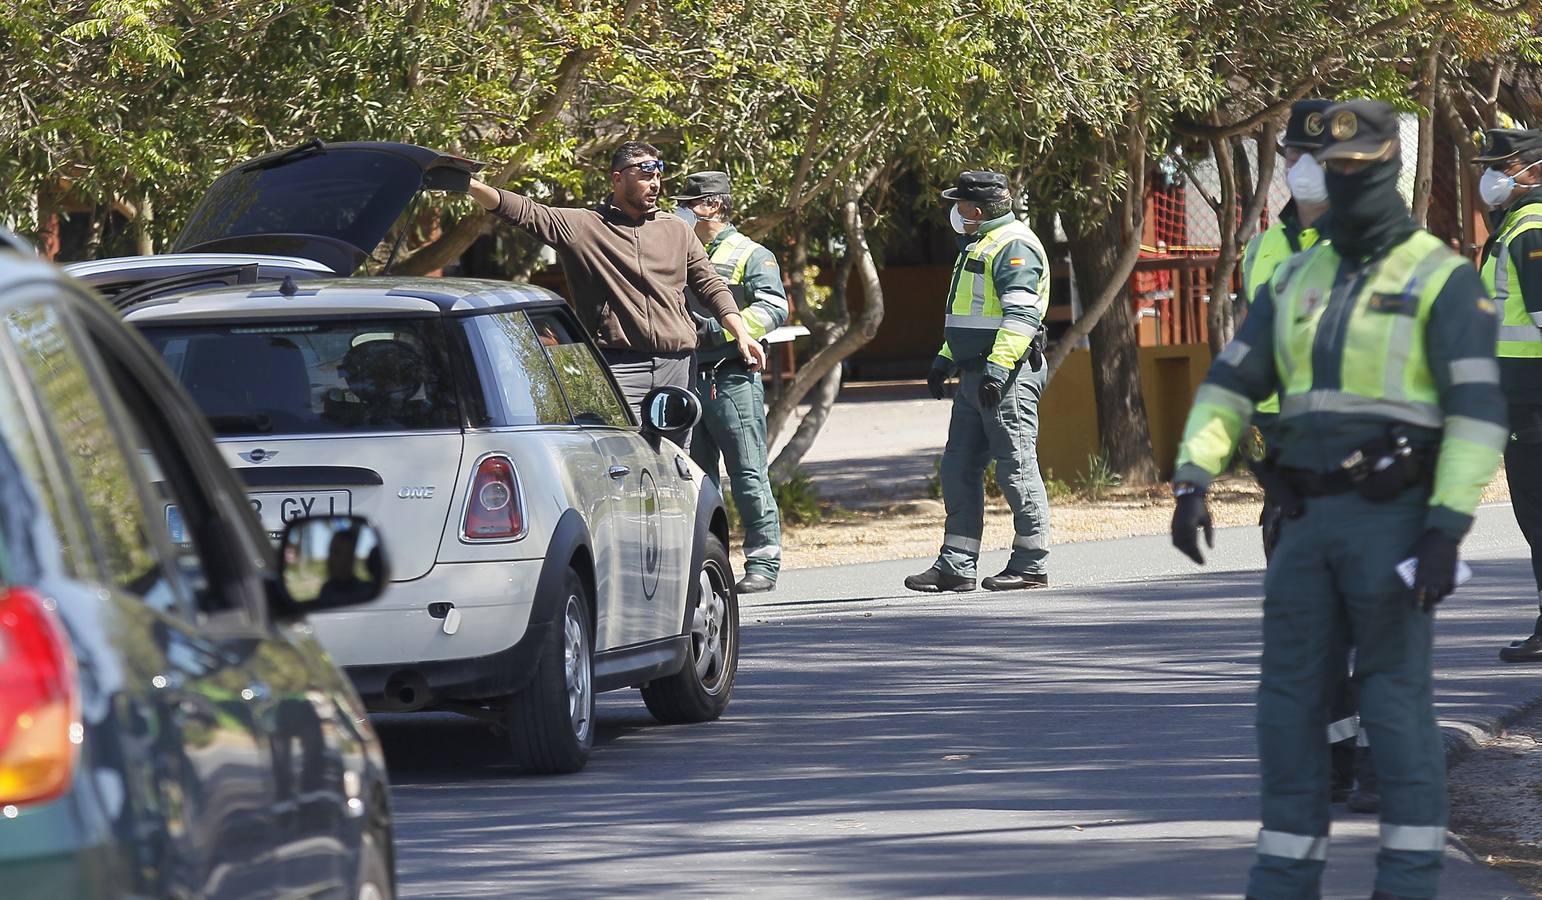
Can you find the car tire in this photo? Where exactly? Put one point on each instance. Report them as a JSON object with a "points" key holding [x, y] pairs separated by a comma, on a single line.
{"points": [[700, 691], [375, 882], [551, 721]]}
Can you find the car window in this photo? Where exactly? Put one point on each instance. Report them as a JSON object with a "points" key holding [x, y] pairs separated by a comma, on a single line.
{"points": [[28, 484], [102, 474], [583, 377], [274, 378], [517, 380]]}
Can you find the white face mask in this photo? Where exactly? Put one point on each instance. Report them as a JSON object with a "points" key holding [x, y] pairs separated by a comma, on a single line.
{"points": [[1306, 182], [688, 214], [1495, 187], [957, 220]]}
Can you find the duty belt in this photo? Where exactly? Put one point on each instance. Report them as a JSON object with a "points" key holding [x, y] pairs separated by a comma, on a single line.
{"points": [[1307, 483]]}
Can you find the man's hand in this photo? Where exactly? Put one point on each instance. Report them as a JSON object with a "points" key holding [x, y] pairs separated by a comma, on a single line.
{"points": [[753, 354], [1435, 571], [485, 195], [993, 385], [1189, 515], [937, 378]]}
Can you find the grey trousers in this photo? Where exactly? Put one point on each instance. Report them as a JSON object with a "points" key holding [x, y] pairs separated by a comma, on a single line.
{"points": [[639, 373], [1009, 435]]}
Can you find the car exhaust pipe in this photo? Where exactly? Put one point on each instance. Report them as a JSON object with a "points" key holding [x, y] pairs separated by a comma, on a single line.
{"points": [[405, 692]]}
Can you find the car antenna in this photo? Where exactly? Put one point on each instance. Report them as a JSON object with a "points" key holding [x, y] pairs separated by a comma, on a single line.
{"points": [[288, 288]]}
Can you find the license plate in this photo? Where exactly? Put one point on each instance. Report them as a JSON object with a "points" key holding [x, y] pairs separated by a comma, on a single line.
{"points": [[277, 508]]}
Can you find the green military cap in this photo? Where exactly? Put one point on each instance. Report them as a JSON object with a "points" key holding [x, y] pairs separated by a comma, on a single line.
{"points": [[1306, 127], [1359, 129], [704, 184], [978, 187], [1500, 144]]}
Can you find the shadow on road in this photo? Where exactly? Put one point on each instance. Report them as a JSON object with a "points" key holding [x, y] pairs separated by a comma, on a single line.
{"points": [[1095, 743]]}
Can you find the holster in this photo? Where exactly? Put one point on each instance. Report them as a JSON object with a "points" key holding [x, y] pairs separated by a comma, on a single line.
{"points": [[1383, 468], [1278, 490], [1035, 355]]}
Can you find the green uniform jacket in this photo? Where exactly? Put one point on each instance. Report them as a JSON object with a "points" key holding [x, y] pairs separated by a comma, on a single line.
{"points": [[756, 282], [1352, 346], [1019, 275], [1519, 376], [1263, 256]]}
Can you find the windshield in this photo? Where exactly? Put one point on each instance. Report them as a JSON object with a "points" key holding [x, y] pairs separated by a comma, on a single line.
{"points": [[357, 375]]}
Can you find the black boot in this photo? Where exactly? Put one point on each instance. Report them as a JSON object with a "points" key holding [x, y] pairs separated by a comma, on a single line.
{"points": [[936, 581], [1366, 797], [1529, 650], [1009, 580], [754, 583]]}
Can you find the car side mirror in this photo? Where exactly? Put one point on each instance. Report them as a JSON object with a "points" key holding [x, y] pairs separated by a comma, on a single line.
{"points": [[327, 562], [670, 411]]}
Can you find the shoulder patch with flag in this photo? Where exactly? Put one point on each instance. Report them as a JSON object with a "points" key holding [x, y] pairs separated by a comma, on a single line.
{"points": [[1015, 261]]}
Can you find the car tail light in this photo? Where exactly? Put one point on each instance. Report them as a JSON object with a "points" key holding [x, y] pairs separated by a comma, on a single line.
{"points": [[493, 508], [39, 719]]}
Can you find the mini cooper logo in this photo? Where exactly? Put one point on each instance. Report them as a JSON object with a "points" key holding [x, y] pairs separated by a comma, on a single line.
{"points": [[258, 456], [416, 493]]}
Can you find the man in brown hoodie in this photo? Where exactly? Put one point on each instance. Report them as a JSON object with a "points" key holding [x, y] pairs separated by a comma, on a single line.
{"points": [[628, 265]]}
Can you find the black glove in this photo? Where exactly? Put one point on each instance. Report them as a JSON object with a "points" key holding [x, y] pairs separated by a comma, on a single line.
{"points": [[993, 384], [1435, 571], [1189, 515], [936, 379]]}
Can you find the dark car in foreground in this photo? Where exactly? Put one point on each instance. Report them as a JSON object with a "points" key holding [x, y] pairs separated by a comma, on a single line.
{"points": [[169, 726]]}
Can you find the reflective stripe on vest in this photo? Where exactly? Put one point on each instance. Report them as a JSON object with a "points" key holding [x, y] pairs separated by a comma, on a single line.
{"points": [[1377, 334], [1519, 336], [975, 295]]}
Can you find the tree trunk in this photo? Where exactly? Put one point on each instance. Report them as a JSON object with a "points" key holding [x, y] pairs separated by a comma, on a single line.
{"points": [[1257, 194], [1123, 428], [144, 236], [786, 464], [1221, 324], [1424, 169], [813, 371], [1114, 279], [834, 321], [449, 246]]}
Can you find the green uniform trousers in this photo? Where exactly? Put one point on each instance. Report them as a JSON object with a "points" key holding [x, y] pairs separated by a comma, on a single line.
{"points": [[733, 427], [1332, 583], [1009, 435]]}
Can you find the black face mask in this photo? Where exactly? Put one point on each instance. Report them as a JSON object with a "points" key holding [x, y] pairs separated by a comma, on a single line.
{"points": [[1368, 215]]}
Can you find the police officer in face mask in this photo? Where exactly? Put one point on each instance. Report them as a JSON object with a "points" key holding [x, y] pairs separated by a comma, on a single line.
{"points": [[1512, 271], [1380, 342], [993, 338]]}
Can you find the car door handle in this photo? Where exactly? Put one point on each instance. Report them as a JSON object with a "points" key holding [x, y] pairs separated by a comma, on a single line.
{"points": [[619, 471]]}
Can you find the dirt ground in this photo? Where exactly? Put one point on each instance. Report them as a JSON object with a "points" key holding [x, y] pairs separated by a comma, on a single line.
{"points": [[1496, 800], [913, 528]]}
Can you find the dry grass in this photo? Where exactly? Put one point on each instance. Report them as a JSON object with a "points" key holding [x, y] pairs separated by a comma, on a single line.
{"points": [[914, 528]]}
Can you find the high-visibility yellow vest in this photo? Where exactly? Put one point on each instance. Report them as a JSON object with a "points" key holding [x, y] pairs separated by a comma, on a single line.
{"points": [[1519, 334], [975, 302], [1262, 257], [729, 258], [1378, 336]]}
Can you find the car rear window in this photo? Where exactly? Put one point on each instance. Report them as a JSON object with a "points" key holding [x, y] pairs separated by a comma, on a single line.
{"points": [[315, 377]]}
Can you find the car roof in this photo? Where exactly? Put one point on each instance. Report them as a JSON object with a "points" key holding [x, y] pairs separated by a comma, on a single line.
{"points": [[142, 268], [344, 296]]}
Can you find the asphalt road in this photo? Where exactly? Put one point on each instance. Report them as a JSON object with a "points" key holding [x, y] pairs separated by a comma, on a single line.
{"points": [[1093, 740]]}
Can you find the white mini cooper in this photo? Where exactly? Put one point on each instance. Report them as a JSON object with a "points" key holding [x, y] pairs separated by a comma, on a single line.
{"points": [[544, 546]]}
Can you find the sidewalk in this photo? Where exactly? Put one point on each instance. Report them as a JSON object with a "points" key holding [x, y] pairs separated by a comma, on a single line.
{"points": [[881, 443]]}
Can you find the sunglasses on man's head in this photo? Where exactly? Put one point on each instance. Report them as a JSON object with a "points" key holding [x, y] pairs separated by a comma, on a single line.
{"points": [[647, 166]]}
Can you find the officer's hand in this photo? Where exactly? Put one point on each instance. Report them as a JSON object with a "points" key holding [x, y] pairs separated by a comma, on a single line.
{"points": [[1189, 515], [1435, 570], [936, 379], [992, 385], [753, 354]]}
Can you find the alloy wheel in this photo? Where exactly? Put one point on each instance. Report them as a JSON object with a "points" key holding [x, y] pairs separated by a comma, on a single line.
{"points": [[575, 660]]}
